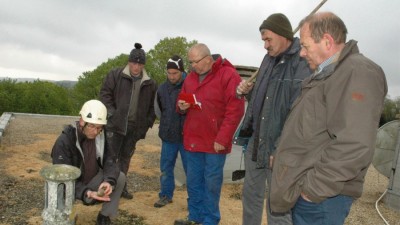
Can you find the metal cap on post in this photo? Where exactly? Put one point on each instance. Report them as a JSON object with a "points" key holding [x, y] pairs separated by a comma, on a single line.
{"points": [[59, 194]]}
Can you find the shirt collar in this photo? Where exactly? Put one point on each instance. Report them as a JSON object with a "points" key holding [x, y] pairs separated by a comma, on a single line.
{"points": [[327, 62]]}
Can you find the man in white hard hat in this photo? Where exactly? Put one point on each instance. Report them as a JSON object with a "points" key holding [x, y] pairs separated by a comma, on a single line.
{"points": [[82, 144]]}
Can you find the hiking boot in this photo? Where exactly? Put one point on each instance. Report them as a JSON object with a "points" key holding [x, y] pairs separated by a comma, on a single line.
{"points": [[103, 220], [185, 222], [125, 194], [164, 200]]}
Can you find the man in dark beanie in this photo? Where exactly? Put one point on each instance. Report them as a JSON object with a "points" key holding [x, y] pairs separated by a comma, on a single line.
{"points": [[279, 24], [137, 55], [128, 93], [171, 126], [277, 86]]}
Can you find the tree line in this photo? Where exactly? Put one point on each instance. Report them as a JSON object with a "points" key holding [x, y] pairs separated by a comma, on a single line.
{"points": [[44, 97]]}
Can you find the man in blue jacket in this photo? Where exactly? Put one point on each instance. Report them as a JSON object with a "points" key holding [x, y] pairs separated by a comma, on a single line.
{"points": [[82, 145], [277, 86], [171, 126]]}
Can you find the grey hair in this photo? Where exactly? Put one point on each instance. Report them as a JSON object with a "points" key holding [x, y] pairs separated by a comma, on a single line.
{"points": [[201, 48]]}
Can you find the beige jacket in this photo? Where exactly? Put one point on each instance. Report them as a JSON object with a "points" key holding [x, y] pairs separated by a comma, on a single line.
{"points": [[328, 140]]}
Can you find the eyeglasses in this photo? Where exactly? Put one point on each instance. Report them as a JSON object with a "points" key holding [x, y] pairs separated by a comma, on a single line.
{"points": [[176, 62], [94, 127], [192, 62]]}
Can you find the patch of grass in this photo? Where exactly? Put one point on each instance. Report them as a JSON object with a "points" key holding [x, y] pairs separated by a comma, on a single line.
{"points": [[125, 217], [236, 195], [236, 192], [45, 155]]}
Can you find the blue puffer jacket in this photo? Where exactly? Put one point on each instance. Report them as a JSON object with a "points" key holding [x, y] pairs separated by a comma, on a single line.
{"points": [[284, 84], [171, 122]]}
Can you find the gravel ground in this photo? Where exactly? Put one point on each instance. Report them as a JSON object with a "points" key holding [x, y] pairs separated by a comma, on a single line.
{"points": [[19, 197], [22, 154]]}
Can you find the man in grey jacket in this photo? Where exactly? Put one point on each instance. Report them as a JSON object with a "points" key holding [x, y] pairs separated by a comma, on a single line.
{"points": [[328, 140], [276, 87]]}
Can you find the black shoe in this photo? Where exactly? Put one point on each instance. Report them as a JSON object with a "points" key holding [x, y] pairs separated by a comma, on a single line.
{"points": [[163, 201], [125, 194], [103, 220], [185, 222]]}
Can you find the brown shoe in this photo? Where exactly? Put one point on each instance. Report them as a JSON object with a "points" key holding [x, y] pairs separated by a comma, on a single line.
{"points": [[163, 201], [185, 222], [125, 194]]}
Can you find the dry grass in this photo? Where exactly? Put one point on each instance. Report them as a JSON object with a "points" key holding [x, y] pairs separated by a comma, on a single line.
{"points": [[25, 149]]}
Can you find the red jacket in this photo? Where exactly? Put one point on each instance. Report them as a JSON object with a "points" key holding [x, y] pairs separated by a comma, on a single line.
{"points": [[221, 111]]}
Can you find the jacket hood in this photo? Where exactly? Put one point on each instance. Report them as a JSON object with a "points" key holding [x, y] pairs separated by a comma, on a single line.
{"points": [[294, 48], [126, 73], [71, 132], [349, 49], [220, 62]]}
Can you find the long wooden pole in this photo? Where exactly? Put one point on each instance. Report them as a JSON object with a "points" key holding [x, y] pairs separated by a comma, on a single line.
{"points": [[312, 12]]}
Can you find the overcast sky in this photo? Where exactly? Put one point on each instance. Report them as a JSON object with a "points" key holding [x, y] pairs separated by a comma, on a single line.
{"points": [[60, 39]]}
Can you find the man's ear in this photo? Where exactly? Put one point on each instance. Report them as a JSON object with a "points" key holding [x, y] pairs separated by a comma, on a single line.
{"points": [[81, 122], [328, 40]]}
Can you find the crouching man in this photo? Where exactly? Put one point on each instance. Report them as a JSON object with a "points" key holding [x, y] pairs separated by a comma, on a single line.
{"points": [[82, 145]]}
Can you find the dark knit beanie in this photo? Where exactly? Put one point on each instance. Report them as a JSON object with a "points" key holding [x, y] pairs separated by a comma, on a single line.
{"points": [[137, 54], [175, 62], [279, 24]]}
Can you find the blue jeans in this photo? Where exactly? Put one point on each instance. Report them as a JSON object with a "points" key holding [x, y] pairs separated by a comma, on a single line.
{"points": [[332, 211], [204, 182], [169, 152]]}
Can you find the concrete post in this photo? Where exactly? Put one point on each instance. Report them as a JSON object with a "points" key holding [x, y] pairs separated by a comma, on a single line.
{"points": [[59, 194]]}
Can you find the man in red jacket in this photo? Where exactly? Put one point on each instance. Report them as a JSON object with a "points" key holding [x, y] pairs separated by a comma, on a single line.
{"points": [[208, 130]]}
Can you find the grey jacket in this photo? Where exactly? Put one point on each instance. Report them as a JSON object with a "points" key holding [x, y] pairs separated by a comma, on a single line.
{"points": [[282, 89], [328, 140]]}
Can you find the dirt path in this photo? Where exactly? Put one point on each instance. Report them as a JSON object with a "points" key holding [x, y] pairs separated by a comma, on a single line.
{"points": [[25, 149]]}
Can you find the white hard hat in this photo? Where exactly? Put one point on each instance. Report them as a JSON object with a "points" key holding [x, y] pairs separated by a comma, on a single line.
{"points": [[94, 111]]}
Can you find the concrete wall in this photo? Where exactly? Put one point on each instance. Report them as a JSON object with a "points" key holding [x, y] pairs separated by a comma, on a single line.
{"points": [[4, 119]]}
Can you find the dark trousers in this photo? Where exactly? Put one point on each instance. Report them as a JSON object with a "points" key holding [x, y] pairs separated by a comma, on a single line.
{"points": [[109, 208], [123, 146]]}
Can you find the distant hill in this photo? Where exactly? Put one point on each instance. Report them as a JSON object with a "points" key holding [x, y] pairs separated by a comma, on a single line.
{"points": [[63, 83]]}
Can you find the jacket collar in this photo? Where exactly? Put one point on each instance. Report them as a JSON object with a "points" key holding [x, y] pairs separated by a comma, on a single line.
{"points": [[349, 49], [294, 48], [127, 74]]}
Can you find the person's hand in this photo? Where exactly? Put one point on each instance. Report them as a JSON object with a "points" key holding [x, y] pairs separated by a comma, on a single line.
{"points": [[183, 105], [218, 147], [305, 197], [104, 188], [271, 161], [244, 87]]}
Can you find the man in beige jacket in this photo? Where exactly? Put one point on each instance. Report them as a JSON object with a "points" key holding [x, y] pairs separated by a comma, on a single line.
{"points": [[328, 140]]}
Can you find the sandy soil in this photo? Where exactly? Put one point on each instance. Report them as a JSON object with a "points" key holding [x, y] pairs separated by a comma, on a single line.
{"points": [[25, 149]]}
